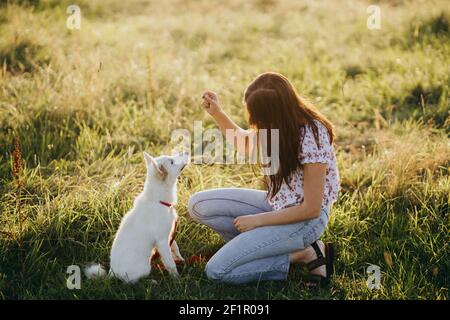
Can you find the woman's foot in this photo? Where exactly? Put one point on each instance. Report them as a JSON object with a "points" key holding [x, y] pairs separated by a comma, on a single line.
{"points": [[307, 255]]}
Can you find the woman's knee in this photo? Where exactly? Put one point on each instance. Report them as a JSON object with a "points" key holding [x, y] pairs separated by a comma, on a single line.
{"points": [[195, 211], [199, 207], [214, 270]]}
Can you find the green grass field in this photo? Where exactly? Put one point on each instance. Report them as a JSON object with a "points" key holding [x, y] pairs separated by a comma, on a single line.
{"points": [[84, 104]]}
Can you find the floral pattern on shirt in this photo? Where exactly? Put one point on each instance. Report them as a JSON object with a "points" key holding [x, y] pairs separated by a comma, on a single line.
{"points": [[311, 153]]}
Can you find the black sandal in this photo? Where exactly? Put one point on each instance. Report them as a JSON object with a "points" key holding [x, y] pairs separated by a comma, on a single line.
{"points": [[328, 261]]}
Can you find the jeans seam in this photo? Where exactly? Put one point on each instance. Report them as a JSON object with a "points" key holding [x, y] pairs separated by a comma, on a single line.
{"points": [[315, 230], [197, 214], [298, 231], [313, 227], [308, 235], [227, 269], [244, 274]]}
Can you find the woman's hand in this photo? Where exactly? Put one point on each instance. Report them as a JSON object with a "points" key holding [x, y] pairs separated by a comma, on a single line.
{"points": [[211, 103], [246, 223]]}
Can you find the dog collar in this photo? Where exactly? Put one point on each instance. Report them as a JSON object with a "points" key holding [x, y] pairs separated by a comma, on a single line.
{"points": [[169, 205]]}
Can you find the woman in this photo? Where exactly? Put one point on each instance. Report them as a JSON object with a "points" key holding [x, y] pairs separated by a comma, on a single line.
{"points": [[266, 232]]}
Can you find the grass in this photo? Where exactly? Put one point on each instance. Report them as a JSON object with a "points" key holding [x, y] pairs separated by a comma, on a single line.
{"points": [[83, 105]]}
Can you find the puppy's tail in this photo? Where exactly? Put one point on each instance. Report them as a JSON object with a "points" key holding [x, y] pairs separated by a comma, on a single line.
{"points": [[94, 271]]}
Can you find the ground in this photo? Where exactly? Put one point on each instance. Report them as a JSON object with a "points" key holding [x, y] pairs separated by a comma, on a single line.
{"points": [[79, 107]]}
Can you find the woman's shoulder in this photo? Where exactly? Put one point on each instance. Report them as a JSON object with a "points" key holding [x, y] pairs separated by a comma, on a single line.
{"points": [[322, 132], [320, 127], [313, 151]]}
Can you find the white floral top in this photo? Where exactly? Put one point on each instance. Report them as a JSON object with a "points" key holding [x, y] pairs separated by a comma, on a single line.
{"points": [[311, 153]]}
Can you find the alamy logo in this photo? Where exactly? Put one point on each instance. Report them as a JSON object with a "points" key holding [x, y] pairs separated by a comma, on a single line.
{"points": [[74, 20], [374, 19], [74, 279], [374, 278], [209, 146]]}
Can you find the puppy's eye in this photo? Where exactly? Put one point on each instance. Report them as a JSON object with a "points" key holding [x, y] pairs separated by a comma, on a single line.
{"points": [[171, 162]]}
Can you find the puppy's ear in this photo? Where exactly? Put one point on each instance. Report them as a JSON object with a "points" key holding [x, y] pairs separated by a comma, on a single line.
{"points": [[160, 171], [149, 160]]}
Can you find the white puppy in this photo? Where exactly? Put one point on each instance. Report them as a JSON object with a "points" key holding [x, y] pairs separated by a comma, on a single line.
{"points": [[148, 225]]}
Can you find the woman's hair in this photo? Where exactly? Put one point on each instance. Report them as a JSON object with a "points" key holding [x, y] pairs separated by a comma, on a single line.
{"points": [[273, 103]]}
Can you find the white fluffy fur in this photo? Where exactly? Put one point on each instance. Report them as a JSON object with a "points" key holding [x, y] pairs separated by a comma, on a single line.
{"points": [[94, 270], [148, 225]]}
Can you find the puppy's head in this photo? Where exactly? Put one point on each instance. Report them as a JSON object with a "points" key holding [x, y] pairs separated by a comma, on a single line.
{"points": [[166, 168]]}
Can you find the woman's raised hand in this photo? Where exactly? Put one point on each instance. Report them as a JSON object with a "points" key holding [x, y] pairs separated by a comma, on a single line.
{"points": [[211, 103]]}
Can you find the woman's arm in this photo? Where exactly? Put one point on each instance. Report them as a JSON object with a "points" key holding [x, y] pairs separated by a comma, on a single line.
{"points": [[212, 106], [314, 182]]}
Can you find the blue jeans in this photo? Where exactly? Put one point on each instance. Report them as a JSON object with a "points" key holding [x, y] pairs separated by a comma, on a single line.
{"points": [[258, 254]]}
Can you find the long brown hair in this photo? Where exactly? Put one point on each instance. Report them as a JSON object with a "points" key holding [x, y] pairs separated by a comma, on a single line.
{"points": [[273, 103]]}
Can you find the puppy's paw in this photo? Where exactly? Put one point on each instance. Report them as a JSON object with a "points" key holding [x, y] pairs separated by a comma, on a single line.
{"points": [[179, 260], [176, 253]]}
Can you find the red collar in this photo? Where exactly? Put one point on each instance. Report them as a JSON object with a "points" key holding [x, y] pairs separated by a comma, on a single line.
{"points": [[169, 205]]}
